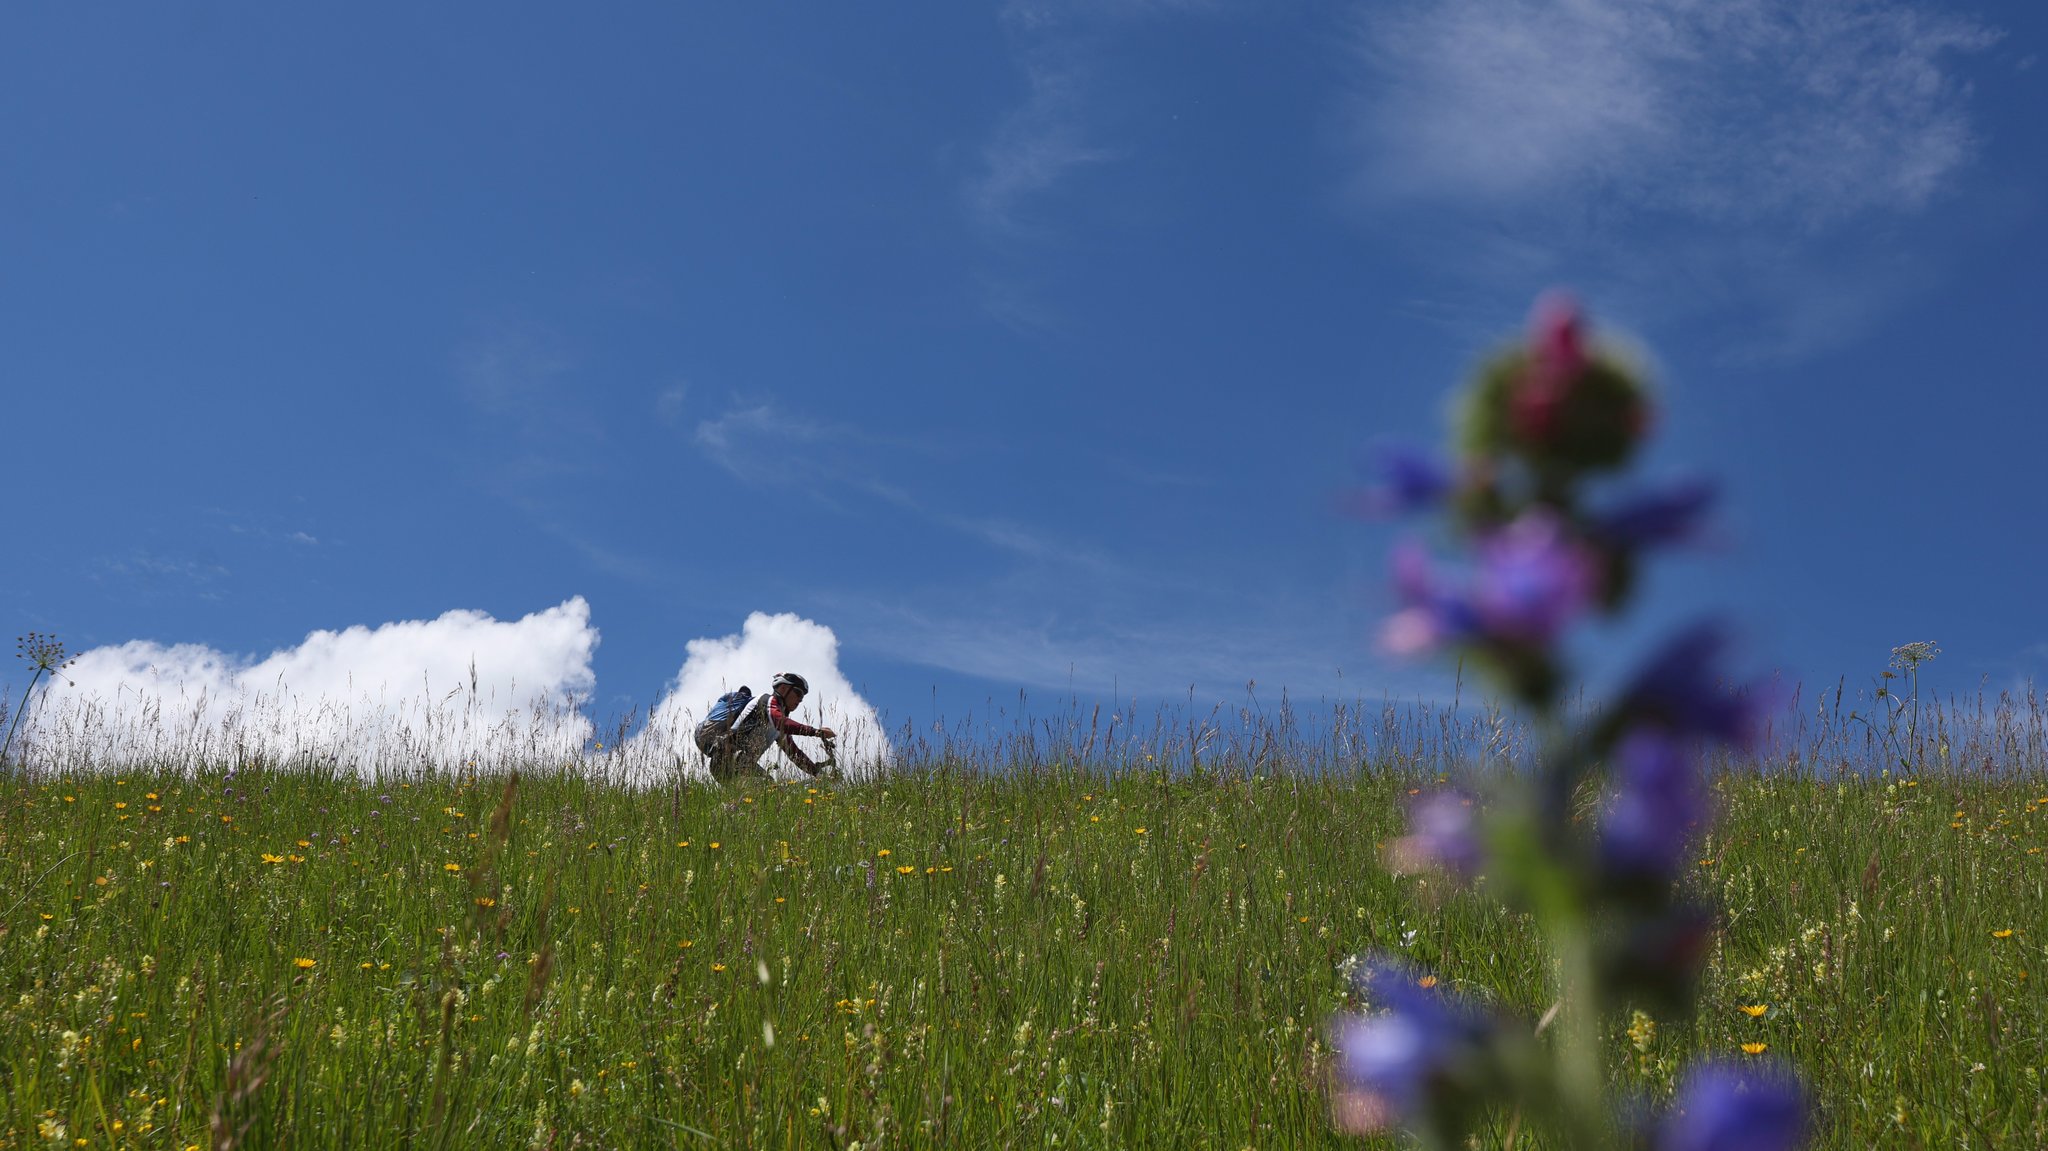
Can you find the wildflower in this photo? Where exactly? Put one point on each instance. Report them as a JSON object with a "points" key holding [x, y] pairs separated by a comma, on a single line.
{"points": [[1755, 1048], [1138, 830], [303, 963], [1642, 1030], [882, 853], [451, 867], [1659, 800], [686, 944], [2004, 933], [1405, 479], [486, 901], [1754, 1011], [1556, 360], [1665, 516], [1426, 1047], [1681, 689], [714, 845], [1441, 833], [718, 967], [1531, 579], [269, 858], [906, 869], [1721, 1107]]}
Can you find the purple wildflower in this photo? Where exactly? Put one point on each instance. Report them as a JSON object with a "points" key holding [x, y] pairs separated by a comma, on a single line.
{"points": [[1441, 833], [1406, 480], [1659, 801], [1531, 580], [1424, 1042], [1435, 607], [1723, 1107], [1648, 519], [1683, 689]]}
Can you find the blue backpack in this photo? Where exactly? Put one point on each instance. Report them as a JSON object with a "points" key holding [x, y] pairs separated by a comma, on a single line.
{"points": [[728, 708]]}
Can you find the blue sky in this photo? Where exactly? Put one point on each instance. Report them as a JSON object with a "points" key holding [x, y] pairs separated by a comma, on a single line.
{"points": [[1022, 346]]}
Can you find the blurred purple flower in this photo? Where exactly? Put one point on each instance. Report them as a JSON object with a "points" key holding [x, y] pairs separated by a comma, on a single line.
{"points": [[1530, 581], [1659, 801], [1724, 1107], [1442, 832], [1665, 516], [1533, 580], [1423, 1041], [1404, 480], [1684, 689], [1436, 609]]}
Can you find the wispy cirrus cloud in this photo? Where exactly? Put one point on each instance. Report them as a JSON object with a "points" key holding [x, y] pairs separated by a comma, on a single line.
{"points": [[1811, 111], [1062, 49], [1038, 144], [769, 447], [1743, 148]]}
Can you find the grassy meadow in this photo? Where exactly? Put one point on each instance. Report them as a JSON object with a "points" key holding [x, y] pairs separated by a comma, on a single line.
{"points": [[1050, 957]]}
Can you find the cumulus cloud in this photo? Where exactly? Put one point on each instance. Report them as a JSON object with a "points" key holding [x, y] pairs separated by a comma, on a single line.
{"points": [[766, 644], [460, 688], [442, 693]]}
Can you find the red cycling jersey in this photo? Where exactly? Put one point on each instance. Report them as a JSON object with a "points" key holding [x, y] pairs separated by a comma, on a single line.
{"points": [[783, 723]]}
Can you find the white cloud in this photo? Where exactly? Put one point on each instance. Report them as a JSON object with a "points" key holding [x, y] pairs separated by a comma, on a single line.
{"points": [[1735, 110], [1753, 161], [1037, 145], [443, 691], [435, 693], [766, 645]]}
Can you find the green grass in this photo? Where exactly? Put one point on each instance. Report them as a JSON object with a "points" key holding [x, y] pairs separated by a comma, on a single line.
{"points": [[953, 958]]}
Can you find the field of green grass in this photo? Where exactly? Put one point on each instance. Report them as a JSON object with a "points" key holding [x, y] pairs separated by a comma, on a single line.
{"points": [[943, 958]]}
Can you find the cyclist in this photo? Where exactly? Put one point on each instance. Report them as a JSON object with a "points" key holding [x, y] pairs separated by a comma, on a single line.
{"points": [[766, 720]]}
